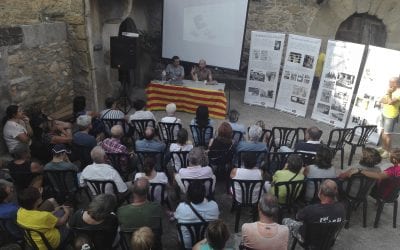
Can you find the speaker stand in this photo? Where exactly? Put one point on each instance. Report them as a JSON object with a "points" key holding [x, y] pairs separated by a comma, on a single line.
{"points": [[124, 102]]}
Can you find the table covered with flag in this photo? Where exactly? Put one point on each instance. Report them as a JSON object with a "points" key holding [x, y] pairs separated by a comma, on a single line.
{"points": [[187, 97]]}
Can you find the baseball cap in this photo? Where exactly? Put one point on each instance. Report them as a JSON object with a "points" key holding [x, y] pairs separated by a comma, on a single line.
{"points": [[60, 148]]}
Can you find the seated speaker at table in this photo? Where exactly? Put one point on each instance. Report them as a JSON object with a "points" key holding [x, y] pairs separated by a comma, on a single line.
{"points": [[174, 70], [201, 73]]}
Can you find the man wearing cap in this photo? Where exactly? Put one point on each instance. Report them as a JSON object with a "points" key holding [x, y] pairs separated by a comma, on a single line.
{"points": [[60, 159]]}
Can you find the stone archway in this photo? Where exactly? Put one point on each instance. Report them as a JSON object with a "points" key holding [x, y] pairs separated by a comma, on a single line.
{"points": [[333, 13]]}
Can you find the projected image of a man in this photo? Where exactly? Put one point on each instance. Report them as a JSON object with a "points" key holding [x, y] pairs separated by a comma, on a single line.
{"points": [[201, 73]]}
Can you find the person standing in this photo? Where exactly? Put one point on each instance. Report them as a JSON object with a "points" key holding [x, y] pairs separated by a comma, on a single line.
{"points": [[390, 112], [174, 70]]}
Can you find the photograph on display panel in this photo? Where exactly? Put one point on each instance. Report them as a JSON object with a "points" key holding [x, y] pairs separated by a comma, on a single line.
{"points": [[345, 80], [323, 108], [257, 75], [308, 61]]}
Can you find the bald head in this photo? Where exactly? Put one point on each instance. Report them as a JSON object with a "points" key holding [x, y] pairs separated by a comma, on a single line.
{"points": [[328, 188], [117, 131], [149, 133], [141, 187]]}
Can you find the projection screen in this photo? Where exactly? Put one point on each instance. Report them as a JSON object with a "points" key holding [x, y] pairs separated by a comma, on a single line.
{"points": [[204, 29]]}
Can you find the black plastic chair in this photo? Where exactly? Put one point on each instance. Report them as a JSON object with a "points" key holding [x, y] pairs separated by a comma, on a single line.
{"points": [[392, 198], [247, 197], [265, 136], [316, 182], [354, 197], [237, 136], [139, 127], [221, 163], [63, 185], [260, 155], [28, 232], [294, 190], [308, 158], [319, 236], [201, 136], [336, 141], [120, 161], [109, 123], [168, 131], [300, 134], [361, 141], [283, 136], [276, 161], [208, 183], [151, 196], [10, 232], [181, 157], [97, 187], [196, 231], [159, 156]]}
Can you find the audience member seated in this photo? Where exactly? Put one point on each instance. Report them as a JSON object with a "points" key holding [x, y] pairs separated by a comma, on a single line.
{"points": [[195, 170], [153, 176], [311, 145], [322, 168], [111, 111], [114, 145], [201, 73], [141, 114], [385, 185], [17, 129], [148, 143], [253, 144], [56, 132], [266, 233], [182, 144], [217, 234], [143, 239], [140, 212], [249, 172], [52, 225], [292, 172], [222, 142], [369, 161], [99, 170], [60, 159], [99, 216], [79, 107], [174, 70], [202, 120], [171, 118], [233, 121], [196, 201], [82, 137], [24, 171], [9, 208], [327, 211]]}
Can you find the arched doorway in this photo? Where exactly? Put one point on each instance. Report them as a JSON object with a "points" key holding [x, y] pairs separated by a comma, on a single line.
{"points": [[362, 28]]}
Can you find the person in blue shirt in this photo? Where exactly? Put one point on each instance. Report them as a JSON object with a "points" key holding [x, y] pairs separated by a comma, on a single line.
{"points": [[8, 209]]}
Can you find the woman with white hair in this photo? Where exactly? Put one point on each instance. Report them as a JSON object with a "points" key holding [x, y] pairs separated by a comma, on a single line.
{"points": [[171, 118], [253, 144]]}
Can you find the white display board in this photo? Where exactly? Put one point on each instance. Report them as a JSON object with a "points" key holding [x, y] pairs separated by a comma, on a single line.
{"points": [[381, 65], [298, 73], [338, 79], [263, 70]]}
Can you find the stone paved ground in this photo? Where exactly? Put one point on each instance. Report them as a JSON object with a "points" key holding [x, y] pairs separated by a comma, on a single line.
{"points": [[356, 237]]}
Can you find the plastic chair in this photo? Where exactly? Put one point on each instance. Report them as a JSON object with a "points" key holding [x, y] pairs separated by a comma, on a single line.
{"points": [[277, 161], [109, 123], [28, 232], [209, 187], [294, 190], [63, 184], [196, 231], [392, 198], [180, 157], [336, 141], [201, 136], [120, 161], [365, 132], [101, 187], [247, 197], [321, 236], [265, 136], [237, 136], [300, 134], [354, 197], [10, 232], [159, 156], [316, 182], [101, 239], [151, 196], [139, 126], [168, 131], [283, 136], [260, 155]]}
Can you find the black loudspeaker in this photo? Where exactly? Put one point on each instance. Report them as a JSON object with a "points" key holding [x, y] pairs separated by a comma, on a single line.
{"points": [[123, 52]]}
